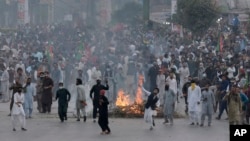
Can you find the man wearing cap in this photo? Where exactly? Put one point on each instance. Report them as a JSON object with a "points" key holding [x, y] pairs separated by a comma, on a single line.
{"points": [[96, 90]]}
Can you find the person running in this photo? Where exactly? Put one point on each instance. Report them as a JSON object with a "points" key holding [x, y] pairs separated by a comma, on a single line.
{"points": [[63, 97]]}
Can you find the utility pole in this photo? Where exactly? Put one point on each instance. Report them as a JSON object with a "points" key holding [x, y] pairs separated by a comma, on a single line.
{"points": [[91, 12], [146, 10]]}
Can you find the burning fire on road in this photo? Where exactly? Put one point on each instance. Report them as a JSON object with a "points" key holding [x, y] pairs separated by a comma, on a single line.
{"points": [[126, 106]]}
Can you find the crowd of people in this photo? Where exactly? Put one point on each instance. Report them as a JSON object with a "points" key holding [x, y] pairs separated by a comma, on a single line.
{"points": [[45, 61]]}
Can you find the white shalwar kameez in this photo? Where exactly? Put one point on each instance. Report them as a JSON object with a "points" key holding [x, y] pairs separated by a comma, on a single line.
{"points": [[173, 86], [5, 86], [18, 114], [194, 97]]}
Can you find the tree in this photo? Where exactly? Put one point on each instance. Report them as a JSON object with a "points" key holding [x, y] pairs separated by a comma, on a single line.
{"points": [[196, 15], [130, 13]]}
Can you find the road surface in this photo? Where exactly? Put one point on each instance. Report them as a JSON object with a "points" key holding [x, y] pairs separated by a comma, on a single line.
{"points": [[48, 127]]}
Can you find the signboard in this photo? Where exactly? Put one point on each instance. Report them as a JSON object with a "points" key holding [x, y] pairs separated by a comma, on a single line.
{"points": [[68, 17], [23, 12], [173, 7]]}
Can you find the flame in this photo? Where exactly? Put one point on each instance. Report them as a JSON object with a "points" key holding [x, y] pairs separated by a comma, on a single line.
{"points": [[138, 98], [124, 102], [122, 99]]}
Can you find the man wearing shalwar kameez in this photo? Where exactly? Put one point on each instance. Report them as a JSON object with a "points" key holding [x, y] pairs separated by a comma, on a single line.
{"points": [[161, 79], [5, 85], [29, 93], [208, 103], [171, 80], [150, 106], [47, 93], [18, 114], [194, 98], [234, 105], [81, 102], [63, 97], [169, 99]]}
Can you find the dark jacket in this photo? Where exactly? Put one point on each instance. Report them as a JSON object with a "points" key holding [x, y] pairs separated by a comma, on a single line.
{"points": [[96, 90], [103, 106], [151, 102], [47, 93], [63, 96], [185, 88]]}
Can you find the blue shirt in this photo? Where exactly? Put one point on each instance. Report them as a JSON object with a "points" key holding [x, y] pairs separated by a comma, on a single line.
{"points": [[244, 100], [223, 85]]}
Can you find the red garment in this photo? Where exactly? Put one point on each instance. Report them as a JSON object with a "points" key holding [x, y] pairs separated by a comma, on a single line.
{"points": [[102, 92]]}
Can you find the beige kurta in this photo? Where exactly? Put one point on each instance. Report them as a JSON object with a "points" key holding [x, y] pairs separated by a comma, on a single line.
{"points": [[80, 97], [234, 107]]}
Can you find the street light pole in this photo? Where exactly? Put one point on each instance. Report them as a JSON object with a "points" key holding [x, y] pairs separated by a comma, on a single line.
{"points": [[146, 10]]}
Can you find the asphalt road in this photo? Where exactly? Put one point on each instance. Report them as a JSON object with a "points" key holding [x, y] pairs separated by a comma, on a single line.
{"points": [[48, 127]]}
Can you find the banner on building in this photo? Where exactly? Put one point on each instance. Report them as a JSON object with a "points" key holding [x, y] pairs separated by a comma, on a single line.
{"points": [[173, 7], [23, 11]]}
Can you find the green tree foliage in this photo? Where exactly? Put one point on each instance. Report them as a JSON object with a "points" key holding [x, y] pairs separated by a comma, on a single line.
{"points": [[196, 15], [130, 13]]}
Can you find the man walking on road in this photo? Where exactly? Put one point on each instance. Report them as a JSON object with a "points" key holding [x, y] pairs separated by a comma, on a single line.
{"points": [[80, 100], [63, 97], [194, 98], [208, 103]]}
